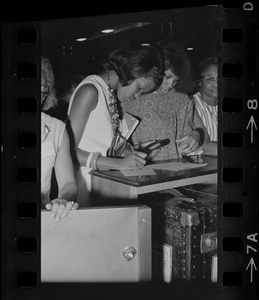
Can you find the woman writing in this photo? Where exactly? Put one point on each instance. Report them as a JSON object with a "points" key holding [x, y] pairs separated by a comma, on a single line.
{"points": [[93, 111]]}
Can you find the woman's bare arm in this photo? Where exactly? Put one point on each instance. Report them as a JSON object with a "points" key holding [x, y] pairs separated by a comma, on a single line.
{"points": [[64, 171], [85, 101]]}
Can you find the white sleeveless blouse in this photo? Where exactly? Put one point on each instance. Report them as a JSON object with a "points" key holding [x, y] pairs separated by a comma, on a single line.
{"points": [[97, 134]]}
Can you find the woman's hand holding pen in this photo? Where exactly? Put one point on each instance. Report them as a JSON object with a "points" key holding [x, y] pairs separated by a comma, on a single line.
{"points": [[133, 160], [188, 143], [141, 152]]}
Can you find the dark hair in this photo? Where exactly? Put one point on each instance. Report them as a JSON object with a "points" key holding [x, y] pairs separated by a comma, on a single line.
{"points": [[207, 61], [177, 60], [133, 63]]}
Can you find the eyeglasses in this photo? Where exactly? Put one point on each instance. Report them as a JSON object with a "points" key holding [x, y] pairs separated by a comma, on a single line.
{"points": [[44, 94], [210, 79]]}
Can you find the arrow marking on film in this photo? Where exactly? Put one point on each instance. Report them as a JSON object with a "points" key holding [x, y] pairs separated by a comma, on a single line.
{"points": [[252, 123], [252, 264]]}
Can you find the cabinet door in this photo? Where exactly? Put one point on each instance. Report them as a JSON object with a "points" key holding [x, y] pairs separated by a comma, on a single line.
{"points": [[104, 244]]}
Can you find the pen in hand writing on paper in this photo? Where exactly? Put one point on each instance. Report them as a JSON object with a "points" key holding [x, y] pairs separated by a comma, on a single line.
{"points": [[149, 148], [131, 148], [176, 143], [194, 153]]}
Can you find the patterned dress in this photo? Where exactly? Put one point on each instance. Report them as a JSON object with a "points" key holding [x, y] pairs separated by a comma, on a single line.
{"points": [[161, 115]]}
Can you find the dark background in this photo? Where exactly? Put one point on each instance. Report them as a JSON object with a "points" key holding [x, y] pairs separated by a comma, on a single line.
{"points": [[194, 27]]}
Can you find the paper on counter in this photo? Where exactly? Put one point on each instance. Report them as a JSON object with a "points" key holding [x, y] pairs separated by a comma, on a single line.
{"points": [[149, 169], [174, 166], [140, 172]]}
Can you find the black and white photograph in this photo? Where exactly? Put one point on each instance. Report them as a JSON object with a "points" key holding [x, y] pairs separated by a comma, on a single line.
{"points": [[129, 142], [129, 151], [129, 132]]}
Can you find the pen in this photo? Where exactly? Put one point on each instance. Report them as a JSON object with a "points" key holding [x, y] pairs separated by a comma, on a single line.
{"points": [[192, 125], [131, 148], [176, 145]]}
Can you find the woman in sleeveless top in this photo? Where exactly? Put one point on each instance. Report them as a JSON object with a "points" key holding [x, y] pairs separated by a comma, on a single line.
{"points": [[94, 112], [55, 152]]}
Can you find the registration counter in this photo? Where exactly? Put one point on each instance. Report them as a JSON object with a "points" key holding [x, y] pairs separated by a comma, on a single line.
{"points": [[156, 177]]}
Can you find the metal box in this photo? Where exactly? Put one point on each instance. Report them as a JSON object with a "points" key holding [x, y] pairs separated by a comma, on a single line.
{"points": [[104, 244]]}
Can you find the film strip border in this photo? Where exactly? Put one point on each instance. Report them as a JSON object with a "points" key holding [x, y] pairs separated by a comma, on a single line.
{"points": [[238, 178], [20, 120]]}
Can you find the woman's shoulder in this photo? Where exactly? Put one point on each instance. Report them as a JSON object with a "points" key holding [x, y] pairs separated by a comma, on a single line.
{"points": [[91, 84], [93, 79], [180, 97], [136, 105], [196, 96], [88, 87]]}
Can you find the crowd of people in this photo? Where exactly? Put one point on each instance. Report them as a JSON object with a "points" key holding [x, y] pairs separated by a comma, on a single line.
{"points": [[152, 83]]}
